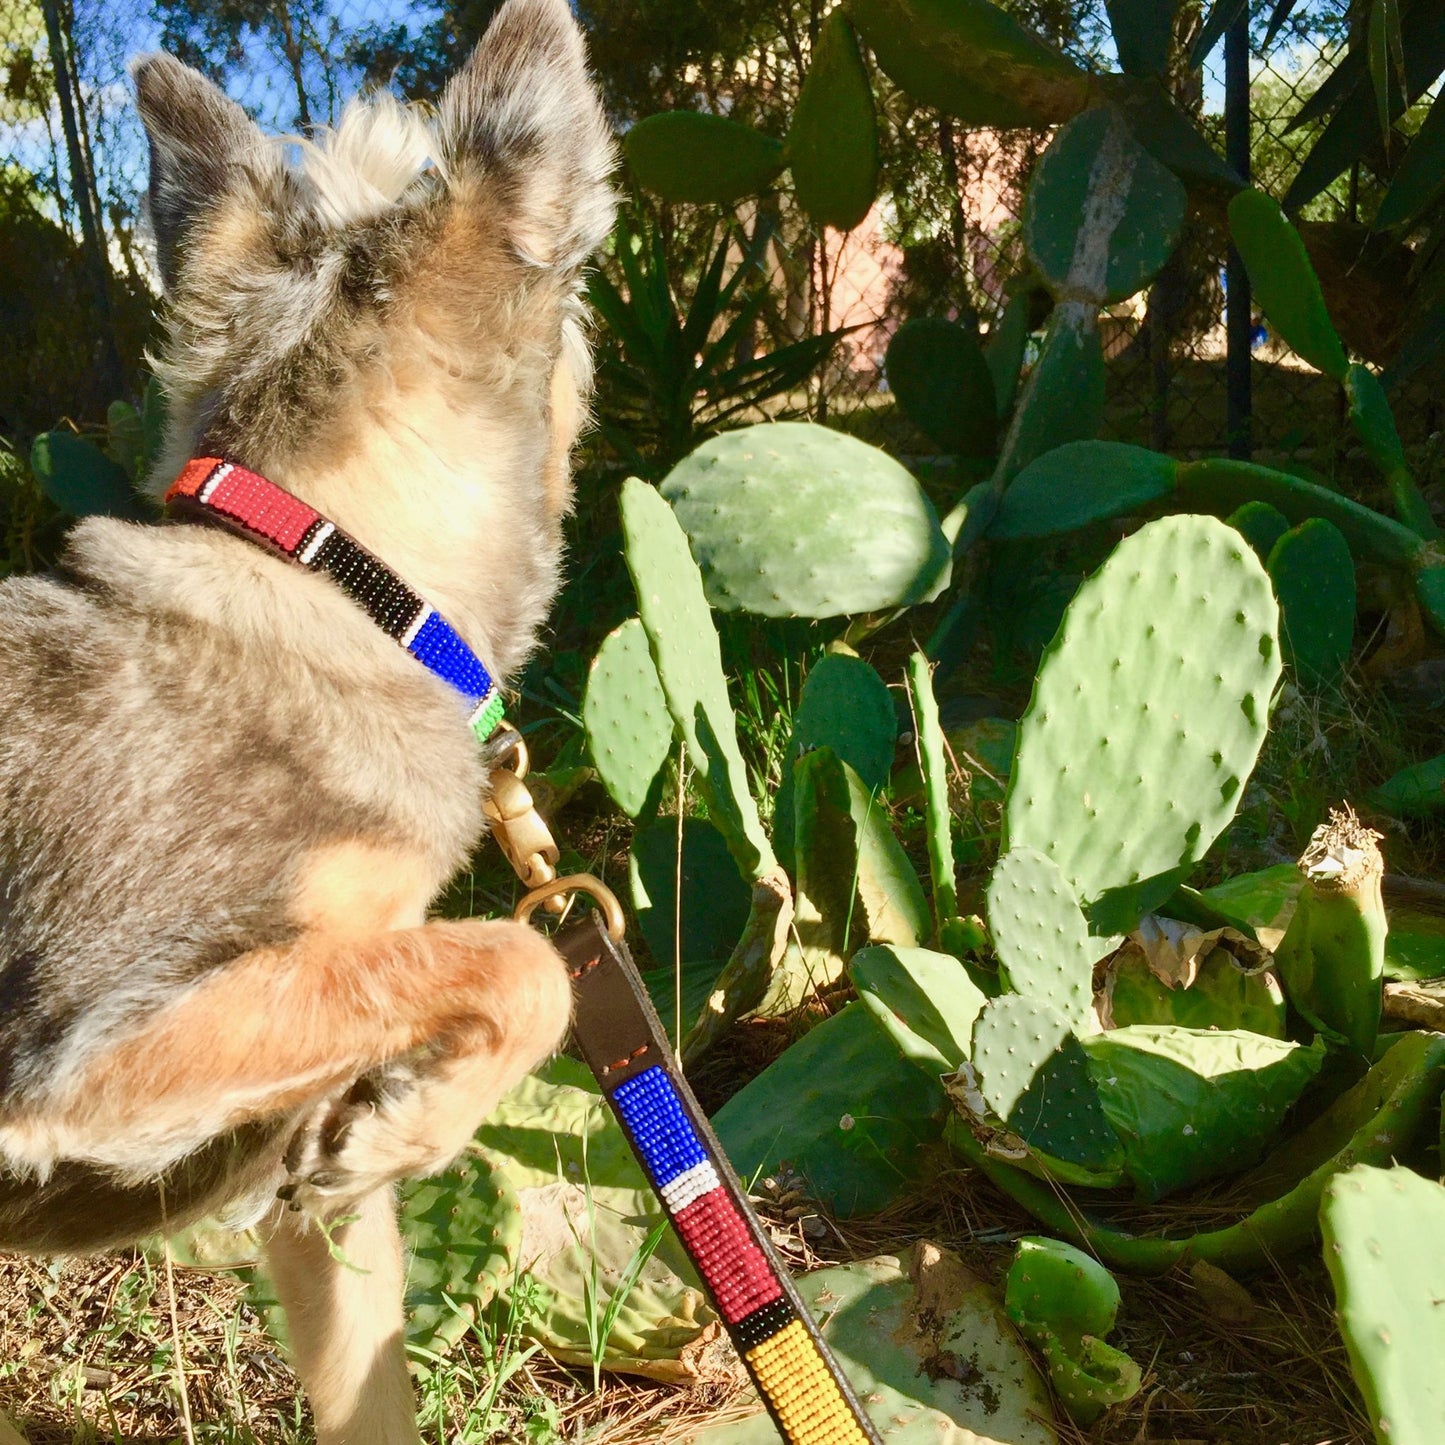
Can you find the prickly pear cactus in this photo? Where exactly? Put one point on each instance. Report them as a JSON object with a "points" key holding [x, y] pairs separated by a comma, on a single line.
{"points": [[1042, 937], [931, 993], [1261, 525], [1063, 398], [1413, 792], [80, 479], [1148, 712], [1332, 957], [789, 519], [715, 900], [1314, 580], [937, 371], [1284, 281], [845, 706], [1064, 1303], [1034, 1076], [688, 659], [1374, 424], [1102, 215], [1381, 1231], [833, 140], [629, 729], [1079, 483], [843, 1107], [682, 155]]}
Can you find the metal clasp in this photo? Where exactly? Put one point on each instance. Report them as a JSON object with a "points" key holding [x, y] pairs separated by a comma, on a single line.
{"points": [[520, 830], [557, 893]]}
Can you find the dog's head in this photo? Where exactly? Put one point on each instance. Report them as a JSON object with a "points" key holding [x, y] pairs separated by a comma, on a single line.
{"points": [[395, 323]]}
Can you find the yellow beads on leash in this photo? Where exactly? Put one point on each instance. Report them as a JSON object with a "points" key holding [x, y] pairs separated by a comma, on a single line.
{"points": [[802, 1390]]}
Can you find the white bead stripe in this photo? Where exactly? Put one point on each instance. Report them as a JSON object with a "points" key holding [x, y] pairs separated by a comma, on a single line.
{"points": [[218, 476], [678, 1193], [422, 617], [309, 551]]}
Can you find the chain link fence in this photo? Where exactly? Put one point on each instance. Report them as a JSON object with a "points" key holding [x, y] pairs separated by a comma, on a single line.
{"points": [[947, 239]]}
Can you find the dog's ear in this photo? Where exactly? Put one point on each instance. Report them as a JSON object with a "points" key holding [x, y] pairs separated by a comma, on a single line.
{"points": [[203, 147], [524, 116]]}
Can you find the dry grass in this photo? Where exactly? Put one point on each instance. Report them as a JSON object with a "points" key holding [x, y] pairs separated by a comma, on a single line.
{"points": [[87, 1353]]}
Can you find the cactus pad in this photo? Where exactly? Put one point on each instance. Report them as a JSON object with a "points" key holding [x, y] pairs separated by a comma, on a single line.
{"points": [[629, 729], [1260, 524], [1063, 398], [845, 706], [930, 992], [833, 140], [1102, 214], [1222, 995], [788, 519], [1079, 483], [688, 659], [80, 479], [1381, 1231], [1149, 708], [1314, 580], [681, 155], [1034, 1075], [937, 371], [715, 900], [1413, 792], [1285, 286], [843, 1107], [1042, 937]]}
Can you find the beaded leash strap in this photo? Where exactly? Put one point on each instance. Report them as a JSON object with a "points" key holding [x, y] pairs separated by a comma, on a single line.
{"points": [[615, 1025]]}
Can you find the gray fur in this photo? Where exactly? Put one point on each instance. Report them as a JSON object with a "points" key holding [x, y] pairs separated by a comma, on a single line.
{"points": [[185, 719]]}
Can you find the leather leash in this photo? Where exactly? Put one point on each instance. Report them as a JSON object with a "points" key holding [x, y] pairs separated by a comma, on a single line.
{"points": [[623, 1042]]}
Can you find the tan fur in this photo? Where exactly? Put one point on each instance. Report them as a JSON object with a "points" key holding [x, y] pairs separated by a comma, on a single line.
{"points": [[360, 887]]}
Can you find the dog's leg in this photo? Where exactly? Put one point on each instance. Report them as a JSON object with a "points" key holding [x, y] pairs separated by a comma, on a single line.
{"points": [[282, 1030], [343, 1311]]}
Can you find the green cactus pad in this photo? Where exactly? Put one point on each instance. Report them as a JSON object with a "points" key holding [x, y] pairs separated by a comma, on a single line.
{"points": [[789, 519], [703, 159], [715, 899], [688, 659], [1284, 282], [80, 479], [1148, 711], [580, 1197], [1042, 937], [1260, 524], [1381, 1228], [970, 60], [629, 729], [929, 1351], [1063, 398], [833, 140], [463, 1231], [125, 437], [1413, 792], [844, 1108], [1080, 483], [938, 373], [1222, 996], [1063, 1302], [1191, 1104], [845, 706], [1033, 1074], [938, 816], [1314, 580], [931, 993], [1371, 1123], [1102, 214], [1008, 340], [1374, 424]]}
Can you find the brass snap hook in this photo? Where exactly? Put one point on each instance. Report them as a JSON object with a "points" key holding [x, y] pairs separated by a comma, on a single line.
{"points": [[557, 890]]}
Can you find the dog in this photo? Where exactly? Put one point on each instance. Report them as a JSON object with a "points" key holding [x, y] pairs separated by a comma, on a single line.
{"points": [[228, 796]]}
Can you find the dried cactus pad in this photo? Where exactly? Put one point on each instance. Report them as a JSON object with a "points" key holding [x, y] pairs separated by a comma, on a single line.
{"points": [[1149, 708], [788, 519], [1381, 1228]]}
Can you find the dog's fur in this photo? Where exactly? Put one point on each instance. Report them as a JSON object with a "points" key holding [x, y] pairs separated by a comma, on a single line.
{"points": [[228, 797]]}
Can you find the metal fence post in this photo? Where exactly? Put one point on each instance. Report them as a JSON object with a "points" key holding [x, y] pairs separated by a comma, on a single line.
{"points": [[1238, 320]]}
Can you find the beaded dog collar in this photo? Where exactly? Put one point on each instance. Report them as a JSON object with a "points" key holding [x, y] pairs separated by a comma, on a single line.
{"points": [[222, 493]]}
